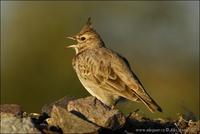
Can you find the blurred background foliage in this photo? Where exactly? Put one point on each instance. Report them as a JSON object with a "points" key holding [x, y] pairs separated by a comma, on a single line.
{"points": [[159, 39]]}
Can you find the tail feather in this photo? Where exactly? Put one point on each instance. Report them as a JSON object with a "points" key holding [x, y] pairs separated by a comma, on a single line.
{"points": [[148, 101]]}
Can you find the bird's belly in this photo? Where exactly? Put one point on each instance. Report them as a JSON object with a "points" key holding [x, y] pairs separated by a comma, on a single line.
{"points": [[104, 96]]}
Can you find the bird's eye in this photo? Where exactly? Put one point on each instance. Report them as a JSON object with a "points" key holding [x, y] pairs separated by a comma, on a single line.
{"points": [[83, 38]]}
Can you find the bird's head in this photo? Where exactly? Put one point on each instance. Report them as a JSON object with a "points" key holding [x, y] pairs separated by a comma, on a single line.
{"points": [[87, 38]]}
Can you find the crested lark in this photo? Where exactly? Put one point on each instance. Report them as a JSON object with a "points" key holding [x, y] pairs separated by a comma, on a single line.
{"points": [[104, 73]]}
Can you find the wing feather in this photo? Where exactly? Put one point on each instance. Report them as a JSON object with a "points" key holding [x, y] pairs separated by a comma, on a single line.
{"points": [[112, 73]]}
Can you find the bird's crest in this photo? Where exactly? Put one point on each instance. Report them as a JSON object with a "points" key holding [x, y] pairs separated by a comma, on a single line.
{"points": [[87, 27]]}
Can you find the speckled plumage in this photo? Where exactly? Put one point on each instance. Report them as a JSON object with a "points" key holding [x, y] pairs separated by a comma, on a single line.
{"points": [[104, 73]]}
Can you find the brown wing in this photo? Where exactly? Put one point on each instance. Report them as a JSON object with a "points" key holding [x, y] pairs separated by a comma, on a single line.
{"points": [[112, 73], [133, 82]]}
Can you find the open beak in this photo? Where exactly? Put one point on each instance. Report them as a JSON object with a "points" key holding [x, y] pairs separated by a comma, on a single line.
{"points": [[72, 38], [71, 46]]}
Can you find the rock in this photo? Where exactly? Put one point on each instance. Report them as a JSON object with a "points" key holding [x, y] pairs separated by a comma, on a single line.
{"points": [[18, 125], [70, 123], [41, 124], [89, 115], [47, 108], [93, 110], [194, 127], [11, 110]]}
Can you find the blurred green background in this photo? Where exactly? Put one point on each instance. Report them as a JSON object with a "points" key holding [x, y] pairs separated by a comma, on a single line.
{"points": [[159, 39]]}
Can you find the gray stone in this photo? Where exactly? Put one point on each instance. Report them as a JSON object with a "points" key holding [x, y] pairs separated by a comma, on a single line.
{"points": [[11, 110], [47, 108], [18, 125], [70, 123], [93, 110]]}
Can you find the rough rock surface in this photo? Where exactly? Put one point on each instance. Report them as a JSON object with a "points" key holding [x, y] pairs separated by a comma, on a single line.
{"points": [[11, 110], [18, 125], [93, 110], [88, 115], [47, 108], [69, 123]]}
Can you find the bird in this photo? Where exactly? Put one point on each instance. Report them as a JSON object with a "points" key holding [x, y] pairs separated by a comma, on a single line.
{"points": [[104, 73]]}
